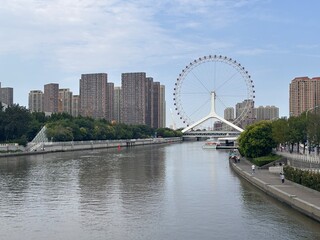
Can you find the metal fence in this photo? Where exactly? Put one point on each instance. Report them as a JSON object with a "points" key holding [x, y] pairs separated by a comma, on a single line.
{"points": [[303, 161]]}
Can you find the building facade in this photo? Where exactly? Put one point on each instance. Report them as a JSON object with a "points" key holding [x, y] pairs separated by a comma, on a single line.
{"points": [[162, 106], [65, 101], [133, 109], [51, 98], [304, 94], [156, 105], [229, 114], [93, 95], [75, 105], [35, 101], [7, 95], [110, 102], [266, 113], [249, 117], [117, 104]]}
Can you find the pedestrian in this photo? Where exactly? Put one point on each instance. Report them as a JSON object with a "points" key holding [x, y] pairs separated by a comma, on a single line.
{"points": [[253, 167], [282, 177]]}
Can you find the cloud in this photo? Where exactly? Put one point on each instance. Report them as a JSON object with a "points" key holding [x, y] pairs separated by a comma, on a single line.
{"points": [[93, 34]]}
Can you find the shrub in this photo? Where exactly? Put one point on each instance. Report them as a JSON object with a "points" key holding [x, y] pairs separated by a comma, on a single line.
{"points": [[306, 178]]}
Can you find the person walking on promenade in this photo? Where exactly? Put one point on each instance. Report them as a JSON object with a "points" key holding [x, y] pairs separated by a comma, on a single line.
{"points": [[253, 167], [282, 177]]}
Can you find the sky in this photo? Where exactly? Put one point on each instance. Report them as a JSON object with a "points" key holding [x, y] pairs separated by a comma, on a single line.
{"points": [[55, 41]]}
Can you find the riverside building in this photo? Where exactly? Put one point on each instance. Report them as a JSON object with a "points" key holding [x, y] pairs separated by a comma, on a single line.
{"points": [[304, 94]]}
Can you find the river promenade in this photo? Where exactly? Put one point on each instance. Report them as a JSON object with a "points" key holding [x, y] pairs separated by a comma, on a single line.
{"points": [[301, 198], [51, 147]]}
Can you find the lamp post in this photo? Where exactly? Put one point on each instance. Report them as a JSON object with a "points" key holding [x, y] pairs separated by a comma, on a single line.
{"points": [[309, 148]]}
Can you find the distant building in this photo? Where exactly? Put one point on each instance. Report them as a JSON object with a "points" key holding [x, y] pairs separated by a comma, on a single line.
{"points": [[248, 117], [35, 101], [110, 102], [117, 104], [229, 114], [75, 105], [7, 95], [51, 98], [162, 113], [133, 109], [304, 94], [142, 100], [149, 101], [65, 101], [156, 105], [93, 95], [266, 113]]}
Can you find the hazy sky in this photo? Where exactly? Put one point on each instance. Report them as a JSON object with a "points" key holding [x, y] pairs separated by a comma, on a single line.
{"points": [[55, 41]]}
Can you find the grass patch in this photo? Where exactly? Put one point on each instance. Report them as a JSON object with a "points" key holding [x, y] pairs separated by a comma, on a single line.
{"points": [[260, 161]]}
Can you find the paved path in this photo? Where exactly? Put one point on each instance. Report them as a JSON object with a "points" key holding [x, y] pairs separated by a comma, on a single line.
{"points": [[302, 198]]}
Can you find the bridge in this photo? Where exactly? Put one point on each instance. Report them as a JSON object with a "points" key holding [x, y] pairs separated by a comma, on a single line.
{"points": [[189, 133], [209, 134]]}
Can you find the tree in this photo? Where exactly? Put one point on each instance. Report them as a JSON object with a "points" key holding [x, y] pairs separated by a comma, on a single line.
{"points": [[280, 131], [297, 131], [15, 122], [257, 140]]}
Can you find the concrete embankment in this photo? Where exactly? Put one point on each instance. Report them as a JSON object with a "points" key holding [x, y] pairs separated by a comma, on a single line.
{"points": [[50, 147], [303, 199]]}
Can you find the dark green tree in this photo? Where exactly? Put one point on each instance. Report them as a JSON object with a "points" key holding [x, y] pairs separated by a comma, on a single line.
{"points": [[257, 140]]}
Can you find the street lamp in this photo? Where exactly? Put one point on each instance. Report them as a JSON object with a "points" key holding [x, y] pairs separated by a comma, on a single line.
{"points": [[309, 148]]}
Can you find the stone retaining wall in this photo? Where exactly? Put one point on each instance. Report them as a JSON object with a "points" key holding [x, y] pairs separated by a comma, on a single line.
{"points": [[292, 200]]}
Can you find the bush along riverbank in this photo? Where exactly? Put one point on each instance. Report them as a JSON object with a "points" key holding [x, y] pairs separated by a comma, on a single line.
{"points": [[305, 178]]}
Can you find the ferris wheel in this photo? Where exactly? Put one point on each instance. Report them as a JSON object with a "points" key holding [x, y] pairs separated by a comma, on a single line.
{"points": [[212, 84]]}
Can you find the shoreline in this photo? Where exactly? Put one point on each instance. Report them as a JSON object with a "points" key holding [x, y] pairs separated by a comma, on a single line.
{"points": [[299, 197], [52, 147]]}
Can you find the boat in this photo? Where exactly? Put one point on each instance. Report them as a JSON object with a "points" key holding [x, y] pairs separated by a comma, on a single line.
{"points": [[211, 143], [228, 143]]}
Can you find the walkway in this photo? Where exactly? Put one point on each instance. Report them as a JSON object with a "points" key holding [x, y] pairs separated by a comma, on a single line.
{"points": [[301, 198]]}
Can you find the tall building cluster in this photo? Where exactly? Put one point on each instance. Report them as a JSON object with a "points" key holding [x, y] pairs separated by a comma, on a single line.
{"points": [[139, 100], [304, 95], [253, 115]]}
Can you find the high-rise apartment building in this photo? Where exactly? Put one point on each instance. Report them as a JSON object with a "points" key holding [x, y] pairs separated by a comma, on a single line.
{"points": [[156, 105], [35, 101], [304, 94], [149, 101], [117, 104], [133, 110], [93, 95], [110, 102], [51, 98], [229, 114], [6, 95], [65, 101], [162, 106], [75, 105], [249, 116], [266, 113]]}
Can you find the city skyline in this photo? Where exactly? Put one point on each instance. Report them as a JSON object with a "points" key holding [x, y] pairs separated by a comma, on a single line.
{"points": [[59, 40]]}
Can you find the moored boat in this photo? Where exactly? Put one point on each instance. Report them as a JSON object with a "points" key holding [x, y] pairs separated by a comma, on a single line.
{"points": [[211, 143]]}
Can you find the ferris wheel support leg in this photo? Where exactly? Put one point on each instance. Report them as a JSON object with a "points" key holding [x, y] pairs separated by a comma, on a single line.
{"points": [[211, 115]]}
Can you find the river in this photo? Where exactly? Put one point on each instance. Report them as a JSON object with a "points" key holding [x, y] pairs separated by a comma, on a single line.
{"points": [[176, 191]]}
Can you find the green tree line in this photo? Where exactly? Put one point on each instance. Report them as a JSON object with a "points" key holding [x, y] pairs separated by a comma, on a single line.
{"points": [[18, 125], [260, 138]]}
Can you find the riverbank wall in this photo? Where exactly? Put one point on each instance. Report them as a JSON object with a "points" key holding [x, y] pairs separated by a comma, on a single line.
{"points": [[305, 200], [51, 147]]}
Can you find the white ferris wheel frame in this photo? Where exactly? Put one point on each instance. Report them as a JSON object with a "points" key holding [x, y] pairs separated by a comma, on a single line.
{"points": [[212, 114]]}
